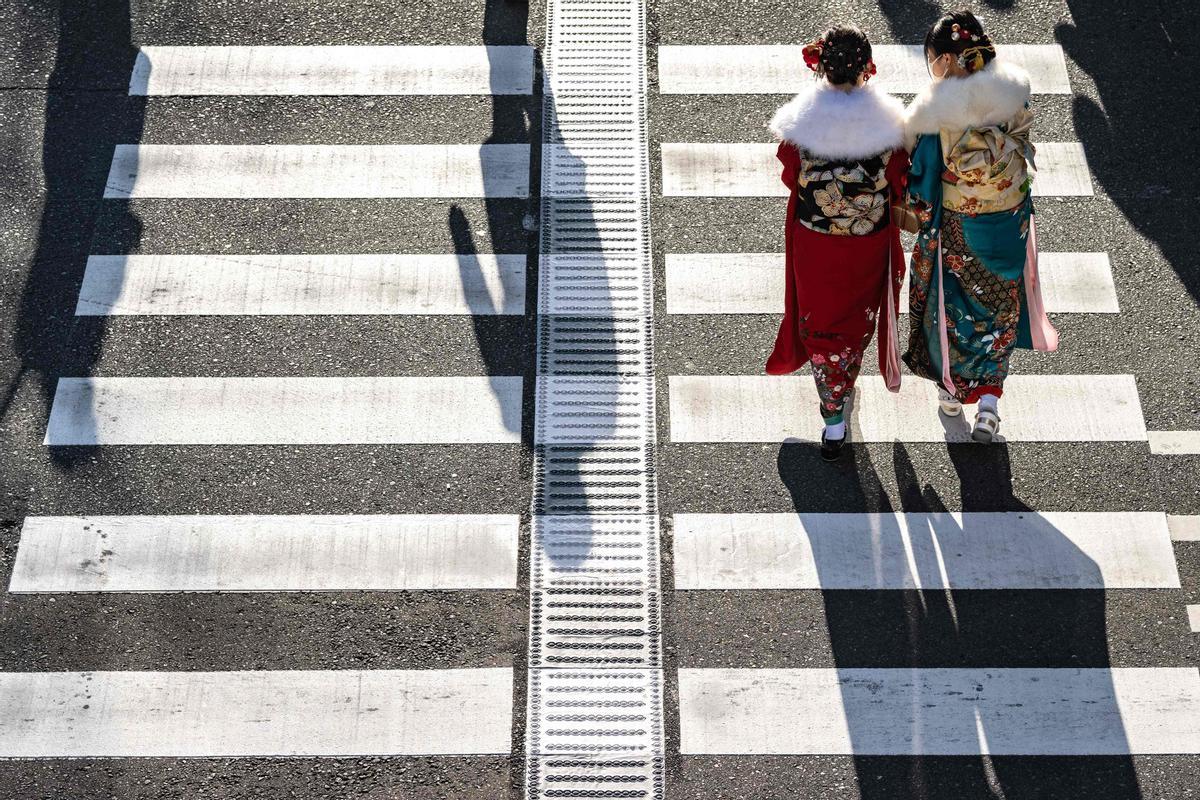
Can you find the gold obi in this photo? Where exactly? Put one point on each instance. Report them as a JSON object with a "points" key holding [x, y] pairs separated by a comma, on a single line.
{"points": [[988, 169]]}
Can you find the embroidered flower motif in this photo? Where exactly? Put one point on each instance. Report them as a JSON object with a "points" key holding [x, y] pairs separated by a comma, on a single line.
{"points": [[863, 213], [843, 198], [830, 200], [855, 174]]}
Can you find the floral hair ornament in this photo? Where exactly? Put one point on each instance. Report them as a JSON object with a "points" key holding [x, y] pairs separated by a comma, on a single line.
{"points": [[971, 59], [869, 70], [812, 55]]}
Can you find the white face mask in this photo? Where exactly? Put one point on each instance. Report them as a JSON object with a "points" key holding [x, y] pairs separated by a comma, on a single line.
{"points": [[930, 67]]}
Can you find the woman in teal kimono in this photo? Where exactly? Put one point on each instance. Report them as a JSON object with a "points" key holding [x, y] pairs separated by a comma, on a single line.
{"points": [[974, 293]]}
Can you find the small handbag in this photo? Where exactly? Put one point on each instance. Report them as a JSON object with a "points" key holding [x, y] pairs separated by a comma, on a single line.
{"points": [[904, 218]]}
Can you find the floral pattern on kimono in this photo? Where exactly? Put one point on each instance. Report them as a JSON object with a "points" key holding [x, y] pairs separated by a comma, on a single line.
{"points": [[968, 316], [843, 198], [988, 169], [839, 286], [835, 371]]}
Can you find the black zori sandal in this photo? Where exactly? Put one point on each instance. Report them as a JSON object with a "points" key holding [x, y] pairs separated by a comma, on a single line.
{"points": [[831, 449]]}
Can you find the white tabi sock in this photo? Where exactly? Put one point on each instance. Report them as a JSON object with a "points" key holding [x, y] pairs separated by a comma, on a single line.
{"points": [[836, 431], [988, 403]]}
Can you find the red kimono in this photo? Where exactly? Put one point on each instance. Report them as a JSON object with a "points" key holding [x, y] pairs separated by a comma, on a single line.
{"points": [[845, 267]]}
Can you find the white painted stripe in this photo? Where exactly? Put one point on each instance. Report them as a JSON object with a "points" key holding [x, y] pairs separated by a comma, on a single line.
{"points": [[940, 711], [1193, 613], [753, 283], [266, 553], [1118, 550], [292, 410], [277, 170], [237, 714], [1035, 408], [332, 70], [1184, 528], [750, 169], [780, 69], [1175, 443], [303, 284]]}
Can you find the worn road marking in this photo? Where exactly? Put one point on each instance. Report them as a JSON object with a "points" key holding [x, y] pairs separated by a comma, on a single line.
{"points": [[1063, 550], [210, 284], [1035, 408], [750, 169], [332, 70], [940, 711], [418, 552], [300, 410], [264, 713], [294, 170]]}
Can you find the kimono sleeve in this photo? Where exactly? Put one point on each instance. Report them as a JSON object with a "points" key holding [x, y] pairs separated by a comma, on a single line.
{"points": [[925, 172], [897, 175], [790, 158]]}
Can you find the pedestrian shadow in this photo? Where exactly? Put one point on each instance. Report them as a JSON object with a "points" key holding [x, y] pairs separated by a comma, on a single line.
{"points": [[910, 19], [512, 120], [82, 125], [1123, 148], [898, 596], [587, 340], [572, 437]]}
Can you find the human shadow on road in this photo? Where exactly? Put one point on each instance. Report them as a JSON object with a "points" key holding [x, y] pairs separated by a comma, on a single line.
{"points": [[897, 597], [87, 113], [563, 444], [1138, 136]]}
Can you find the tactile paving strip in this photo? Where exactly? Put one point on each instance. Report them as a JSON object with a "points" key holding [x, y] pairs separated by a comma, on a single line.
{"points": [[594, 727]]}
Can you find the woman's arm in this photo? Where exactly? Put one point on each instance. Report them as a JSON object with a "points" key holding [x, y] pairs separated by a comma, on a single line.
{"points": [[897, 178], [789, 156]]}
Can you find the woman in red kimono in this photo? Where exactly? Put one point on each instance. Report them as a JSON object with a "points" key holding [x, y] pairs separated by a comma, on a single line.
{"points": [[842, 148]]}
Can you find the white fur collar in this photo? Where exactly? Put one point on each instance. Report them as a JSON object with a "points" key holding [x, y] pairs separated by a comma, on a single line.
{"points": [[989, 97], [833, 124]]}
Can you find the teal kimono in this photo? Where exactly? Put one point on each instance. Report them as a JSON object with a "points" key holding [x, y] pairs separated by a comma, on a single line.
{"points": [[974, 294]]}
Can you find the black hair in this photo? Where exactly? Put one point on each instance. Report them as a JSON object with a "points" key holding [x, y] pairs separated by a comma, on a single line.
{"points": [[958, 32], [845, 52]]}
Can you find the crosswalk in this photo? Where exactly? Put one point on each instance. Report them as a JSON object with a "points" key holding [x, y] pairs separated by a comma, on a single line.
{"points": [[292, 410], [750, 169], [753, 283], [1039, 408], [779, 69], [946, 712], [259, 713], [309, 553], [788, 631], [150, 550], [350, 171], [333, 70], [806, 636], [302, 284]]}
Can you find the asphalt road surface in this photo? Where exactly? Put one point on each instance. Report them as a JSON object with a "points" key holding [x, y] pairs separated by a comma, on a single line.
{"points": [[206, 654]]}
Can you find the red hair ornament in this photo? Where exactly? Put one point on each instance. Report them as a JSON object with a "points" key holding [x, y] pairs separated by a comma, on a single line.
{"points": [[812, 55], [869, 70]]}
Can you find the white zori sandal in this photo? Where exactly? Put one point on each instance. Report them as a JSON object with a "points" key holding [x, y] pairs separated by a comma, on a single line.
{"points": [[949, 403], [986, 424]]}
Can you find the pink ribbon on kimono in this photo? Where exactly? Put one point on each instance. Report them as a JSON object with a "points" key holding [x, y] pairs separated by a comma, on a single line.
{"points": [[943, 338], [891, 364], [1043, 334]]}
